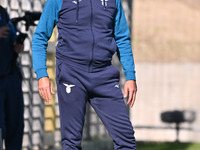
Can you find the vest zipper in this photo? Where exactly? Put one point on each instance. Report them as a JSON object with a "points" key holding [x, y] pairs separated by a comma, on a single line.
{"points": [[93, 41]]}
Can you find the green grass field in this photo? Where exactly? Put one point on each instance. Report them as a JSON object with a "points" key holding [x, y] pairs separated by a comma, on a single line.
{"points": [[167, 146]]}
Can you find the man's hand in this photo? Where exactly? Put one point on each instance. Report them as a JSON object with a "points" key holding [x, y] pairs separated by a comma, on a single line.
{"points": [[131, 88], [4, 32], [45, 89], [18, 48]]}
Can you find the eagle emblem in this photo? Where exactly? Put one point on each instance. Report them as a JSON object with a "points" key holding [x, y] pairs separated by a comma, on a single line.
{"points": [[68, 87]]}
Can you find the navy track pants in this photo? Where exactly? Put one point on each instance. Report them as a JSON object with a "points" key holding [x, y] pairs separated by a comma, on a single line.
{"points": [[12, 111], [101, 89]]}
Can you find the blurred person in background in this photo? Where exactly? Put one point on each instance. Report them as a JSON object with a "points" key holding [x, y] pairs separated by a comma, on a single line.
{"points": [[90, 32], [11, 96]]}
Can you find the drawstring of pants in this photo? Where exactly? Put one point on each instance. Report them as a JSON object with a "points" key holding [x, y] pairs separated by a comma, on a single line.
{"points": [[104, 3], [77, 10]]}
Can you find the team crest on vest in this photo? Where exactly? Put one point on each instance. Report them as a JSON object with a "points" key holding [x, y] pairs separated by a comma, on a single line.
{"points": [[75, 1], [68, 87], [106, 2]]}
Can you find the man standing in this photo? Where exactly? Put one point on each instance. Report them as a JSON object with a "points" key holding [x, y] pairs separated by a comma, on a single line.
{"points": [[90, 32], [11, 97]]}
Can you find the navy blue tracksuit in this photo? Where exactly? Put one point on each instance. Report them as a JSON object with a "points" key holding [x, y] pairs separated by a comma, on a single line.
{"points": [[11, 96], [90, 32]]}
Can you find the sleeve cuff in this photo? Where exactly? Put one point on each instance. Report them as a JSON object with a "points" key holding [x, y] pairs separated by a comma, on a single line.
{"points": [[41, 73], [130, 75]]}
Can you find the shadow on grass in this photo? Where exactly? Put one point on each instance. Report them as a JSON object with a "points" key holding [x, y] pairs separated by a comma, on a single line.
{"points": [[167, 146]]}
